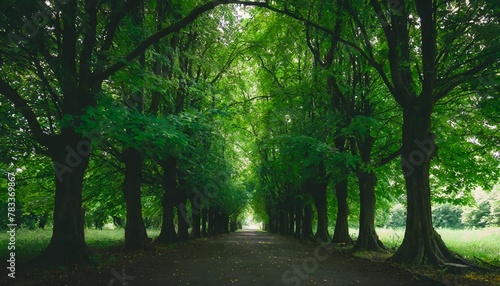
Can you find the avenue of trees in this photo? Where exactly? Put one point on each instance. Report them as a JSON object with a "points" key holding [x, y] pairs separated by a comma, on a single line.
{"points": [[182, 114]]}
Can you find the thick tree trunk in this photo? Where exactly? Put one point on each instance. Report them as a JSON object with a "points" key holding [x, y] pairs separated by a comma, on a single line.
{"points": [[273, 225], [283, 220], [167, 233], [233, 225], [298, 220], [421, 243], [307, 232], [70, 156], [195, 215], [182, 218], [367, 238], [136, 237], [223, 224], [319, 196], [341, 232], [211, 221]]}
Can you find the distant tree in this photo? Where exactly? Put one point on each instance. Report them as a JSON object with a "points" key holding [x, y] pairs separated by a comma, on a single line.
{"points": [[398, 217], [479, 216], [448, 216]]}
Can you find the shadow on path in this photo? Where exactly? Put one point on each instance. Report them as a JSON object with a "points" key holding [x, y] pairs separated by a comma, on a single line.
{"points": [[252, 257]]}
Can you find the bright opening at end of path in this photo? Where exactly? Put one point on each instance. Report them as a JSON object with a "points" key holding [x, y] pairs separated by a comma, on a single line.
{"points": [[250, 223]]}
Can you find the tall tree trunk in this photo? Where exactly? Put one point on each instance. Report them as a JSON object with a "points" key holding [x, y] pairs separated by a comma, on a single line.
{"points": [[70, 158], [341, 232], [195, 215], [283, 219], [307, 232], [211, 221], [136, 237], [272, 223], [167, 233], [233, 225], [291, 219], [319, 196], [275, 224], [204, 221], [223, 223], [421, 243], [182, 218], [298, 220], [367, 238]]}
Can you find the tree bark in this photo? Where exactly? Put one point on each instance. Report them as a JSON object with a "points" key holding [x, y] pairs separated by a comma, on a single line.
{"points": [[291, 220], [318, 192], [136, 237], [298, 220], [195, 215], [233, 225], [307, 223], [204, 221], [341, 232], [223, 223], [167, 233], [283, 219], [182, 218], [70, 160], [367, 238], [211, 221], [421, 243]]}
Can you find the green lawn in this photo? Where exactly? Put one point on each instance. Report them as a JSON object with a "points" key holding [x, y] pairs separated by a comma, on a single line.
{"points": [[482, 243], [31, 242]]}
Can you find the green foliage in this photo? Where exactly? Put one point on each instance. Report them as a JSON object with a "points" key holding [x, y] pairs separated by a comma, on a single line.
{"points": [[447, 216], [479, 216], [398, 217], [484, 211]]}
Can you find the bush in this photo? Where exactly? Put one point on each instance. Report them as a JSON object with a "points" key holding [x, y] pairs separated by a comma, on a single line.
{"points": [[447, 216], [398, 217], [479, 216]]}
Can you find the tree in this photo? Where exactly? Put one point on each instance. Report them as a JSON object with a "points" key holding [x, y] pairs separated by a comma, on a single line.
{"points": [[71, 60], [417, 79]]}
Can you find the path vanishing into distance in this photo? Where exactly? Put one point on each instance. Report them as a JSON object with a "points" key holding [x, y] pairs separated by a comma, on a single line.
{"points": [[253, 257]]}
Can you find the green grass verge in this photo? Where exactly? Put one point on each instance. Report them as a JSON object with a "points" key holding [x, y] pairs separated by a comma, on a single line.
{"points": [[30, 243], [483, 243]]}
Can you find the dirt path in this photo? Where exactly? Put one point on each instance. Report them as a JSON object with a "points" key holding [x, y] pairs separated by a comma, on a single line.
{"points": [[257, 258]]}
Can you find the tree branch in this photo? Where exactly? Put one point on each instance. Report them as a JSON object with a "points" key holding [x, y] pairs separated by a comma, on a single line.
{"points": [[389, 158], [175, 27], [23, 107]]}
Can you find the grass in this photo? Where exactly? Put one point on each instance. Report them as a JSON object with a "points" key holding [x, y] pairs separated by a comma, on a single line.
{"points": [[470, 243], [482, 243], [30, 243]]}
